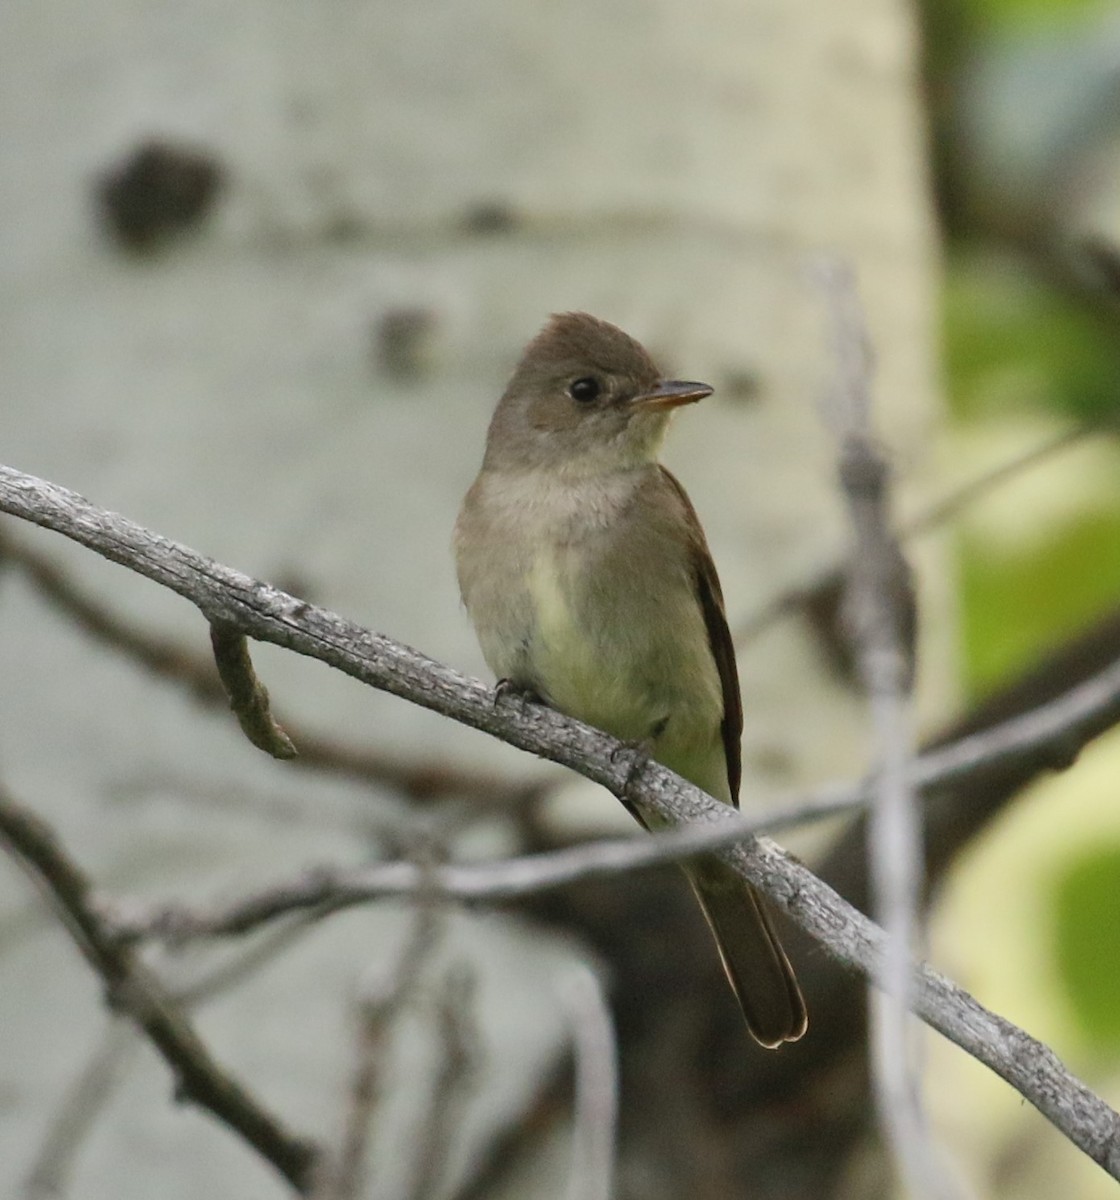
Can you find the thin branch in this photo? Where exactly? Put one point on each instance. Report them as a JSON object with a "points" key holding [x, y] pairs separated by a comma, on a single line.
{"points": [[236, 969], [513, 1143], [797, 596], [168, 660], [346, 1179], [386, 993], [1051, 734], [267, 614], [86, 1097], [134, 989], [950, 506], [875, 621], [328, 890]]}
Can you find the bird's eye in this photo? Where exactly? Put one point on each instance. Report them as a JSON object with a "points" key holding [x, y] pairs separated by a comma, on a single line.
{"points": [[584, 390]]}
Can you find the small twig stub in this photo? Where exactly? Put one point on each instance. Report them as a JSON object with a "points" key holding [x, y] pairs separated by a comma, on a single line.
{"points": [[248, 697]]}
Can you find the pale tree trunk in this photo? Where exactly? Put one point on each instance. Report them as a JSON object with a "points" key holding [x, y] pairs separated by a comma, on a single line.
{"points": [[300, 388]]}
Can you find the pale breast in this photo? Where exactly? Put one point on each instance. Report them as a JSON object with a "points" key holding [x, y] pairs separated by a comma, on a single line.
{"points": [[570, 596]]}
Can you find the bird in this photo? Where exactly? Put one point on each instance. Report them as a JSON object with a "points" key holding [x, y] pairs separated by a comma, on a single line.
{"points": [[585, 572]]}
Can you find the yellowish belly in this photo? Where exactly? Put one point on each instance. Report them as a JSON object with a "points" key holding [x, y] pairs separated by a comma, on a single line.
{"points": [[626, 673], [586, 677]]}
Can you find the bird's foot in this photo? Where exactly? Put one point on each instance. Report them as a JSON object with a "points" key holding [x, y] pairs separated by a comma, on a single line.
{"points": [[636, 754], [507, 691]]}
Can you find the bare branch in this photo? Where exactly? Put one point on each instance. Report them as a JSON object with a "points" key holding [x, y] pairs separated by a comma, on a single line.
{"points": [[1051, 734], [942, 511], [326, 890], [513, 1143], [344, 1181], [419, 781], [1026, 1064], [134, 989], [875, 621], [267, 614], [87, 1096], [826, 577], [385, 995]]}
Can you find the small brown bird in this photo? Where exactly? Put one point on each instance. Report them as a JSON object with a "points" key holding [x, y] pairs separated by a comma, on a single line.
{"points": [[586, 574]]}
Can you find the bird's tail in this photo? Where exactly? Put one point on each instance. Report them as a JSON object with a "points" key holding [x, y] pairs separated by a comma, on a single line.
{"points": [[757, 968]]}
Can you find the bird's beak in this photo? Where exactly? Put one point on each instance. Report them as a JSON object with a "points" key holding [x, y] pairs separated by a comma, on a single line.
{"points": [[670, 393]]}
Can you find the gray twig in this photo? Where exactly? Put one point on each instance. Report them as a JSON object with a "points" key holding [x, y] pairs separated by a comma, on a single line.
{"points": [[875, 626], [87, 1096], [386, 993]]}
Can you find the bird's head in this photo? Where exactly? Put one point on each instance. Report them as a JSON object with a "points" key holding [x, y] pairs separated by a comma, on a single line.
{"points": [[584, 398]]}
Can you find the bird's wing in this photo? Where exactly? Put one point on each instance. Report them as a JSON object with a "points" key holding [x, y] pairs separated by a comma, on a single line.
{"points": [[710, 596]]}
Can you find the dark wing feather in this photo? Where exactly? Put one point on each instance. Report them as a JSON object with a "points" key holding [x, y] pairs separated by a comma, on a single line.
{"points": [[710, 596]]}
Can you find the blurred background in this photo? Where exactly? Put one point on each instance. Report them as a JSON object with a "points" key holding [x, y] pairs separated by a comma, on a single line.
{"points": [[266, 269], [1022, 101]]}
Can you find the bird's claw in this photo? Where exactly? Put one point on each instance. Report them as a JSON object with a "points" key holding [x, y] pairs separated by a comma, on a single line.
{"points": [[506, 691]]}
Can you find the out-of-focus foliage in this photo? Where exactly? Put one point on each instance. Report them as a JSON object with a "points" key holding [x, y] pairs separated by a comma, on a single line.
{"points": [[1026, 123], [1026, 130], [1086, 921], [1013, 343], [1017, 348], [1017, 604], [1027, 126], [1017, 13]]}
